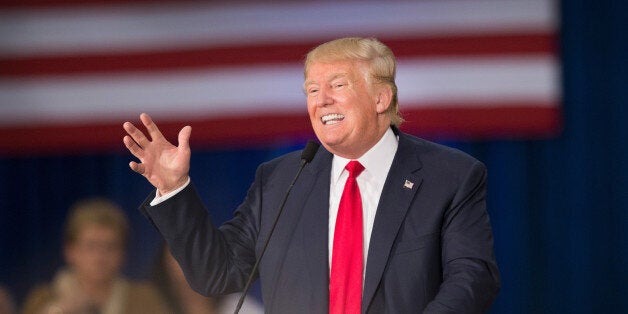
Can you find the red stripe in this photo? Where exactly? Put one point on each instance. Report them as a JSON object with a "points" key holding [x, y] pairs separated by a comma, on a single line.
{"points": [[451, 46], [472, 123], [525, 120]]}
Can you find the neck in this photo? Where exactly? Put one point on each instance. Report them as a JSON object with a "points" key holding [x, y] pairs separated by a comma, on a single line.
{"points": [[357, 152], [98, 292]]}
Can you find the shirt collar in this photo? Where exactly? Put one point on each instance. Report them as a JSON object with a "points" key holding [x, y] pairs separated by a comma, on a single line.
{"points": [[376, 160]]}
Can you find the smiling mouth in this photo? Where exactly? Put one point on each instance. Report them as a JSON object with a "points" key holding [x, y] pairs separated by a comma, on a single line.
{"points": [[332, 118]]}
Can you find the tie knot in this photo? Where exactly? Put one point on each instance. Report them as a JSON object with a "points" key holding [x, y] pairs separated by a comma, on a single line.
{"points": [[355, 168]]}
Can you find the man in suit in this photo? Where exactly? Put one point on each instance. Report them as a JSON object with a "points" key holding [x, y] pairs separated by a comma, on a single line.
{"points": [[424, 240]]}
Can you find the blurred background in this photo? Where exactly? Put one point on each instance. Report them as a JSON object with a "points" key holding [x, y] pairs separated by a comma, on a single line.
{"points": [[537, 90]]}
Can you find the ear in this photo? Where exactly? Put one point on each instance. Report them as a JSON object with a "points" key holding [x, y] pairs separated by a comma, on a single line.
{"points": [[384, 97]]}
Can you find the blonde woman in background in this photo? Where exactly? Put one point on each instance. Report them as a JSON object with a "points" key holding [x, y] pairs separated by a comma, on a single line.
{"points": [[6, 301], [94, 247]]}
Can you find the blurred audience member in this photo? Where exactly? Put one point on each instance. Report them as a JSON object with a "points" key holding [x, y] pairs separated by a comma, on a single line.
{"points": [[6, 302], [169, 279], [95, 238]]}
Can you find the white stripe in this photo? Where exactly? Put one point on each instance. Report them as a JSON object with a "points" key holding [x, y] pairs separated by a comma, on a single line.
{"points": [[263, 89], [533, 78], [150, 26]]}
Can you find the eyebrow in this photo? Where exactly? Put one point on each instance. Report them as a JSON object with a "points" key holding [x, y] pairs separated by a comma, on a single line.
{"points": [[336, 76], [339, 75]]}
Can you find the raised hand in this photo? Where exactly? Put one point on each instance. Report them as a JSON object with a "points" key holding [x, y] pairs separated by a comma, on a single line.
{"points": [[164, 165]]}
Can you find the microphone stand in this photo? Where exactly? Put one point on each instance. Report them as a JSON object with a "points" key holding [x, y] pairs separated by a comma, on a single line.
{"points": [[306, 156]]}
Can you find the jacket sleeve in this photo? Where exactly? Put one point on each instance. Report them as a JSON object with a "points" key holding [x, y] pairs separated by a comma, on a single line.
{"points": [[214, 260], [471, 279]]}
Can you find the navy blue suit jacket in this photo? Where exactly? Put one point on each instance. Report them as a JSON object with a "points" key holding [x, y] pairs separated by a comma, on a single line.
{"points": [[431, 247]]}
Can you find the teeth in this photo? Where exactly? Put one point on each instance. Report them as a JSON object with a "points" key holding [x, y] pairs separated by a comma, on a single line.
{"points": [[332, 118]]}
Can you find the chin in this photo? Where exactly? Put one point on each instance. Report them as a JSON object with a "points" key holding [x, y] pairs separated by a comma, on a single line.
{"points": [[328, 143], [331, 137]]}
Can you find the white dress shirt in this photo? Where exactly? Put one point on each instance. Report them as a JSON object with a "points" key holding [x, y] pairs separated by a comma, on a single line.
{"points": [[160, 198], [376, 162]]}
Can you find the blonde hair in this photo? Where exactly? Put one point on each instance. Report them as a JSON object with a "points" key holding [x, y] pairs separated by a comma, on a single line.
{"points": [[95, 211], [380, 59]]}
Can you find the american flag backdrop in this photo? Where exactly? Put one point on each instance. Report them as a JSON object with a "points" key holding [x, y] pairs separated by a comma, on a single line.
{"points": [[72, 71]]}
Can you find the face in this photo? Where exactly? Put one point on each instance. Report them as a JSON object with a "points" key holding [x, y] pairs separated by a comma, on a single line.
{"points": [[97, 254], [348, 114]]}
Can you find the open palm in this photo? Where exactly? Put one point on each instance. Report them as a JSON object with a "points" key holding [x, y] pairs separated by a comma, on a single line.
{"points": [[164, 165]]}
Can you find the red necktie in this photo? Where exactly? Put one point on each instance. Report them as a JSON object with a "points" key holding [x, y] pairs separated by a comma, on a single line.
{"points": [[345, 283]]}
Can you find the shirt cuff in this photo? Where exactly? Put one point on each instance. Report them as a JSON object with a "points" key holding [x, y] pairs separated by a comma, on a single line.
{"points": [[160, 198]]}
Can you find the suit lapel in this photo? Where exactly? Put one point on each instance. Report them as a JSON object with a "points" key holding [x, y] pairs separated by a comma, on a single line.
{"points": [[401, 185]]}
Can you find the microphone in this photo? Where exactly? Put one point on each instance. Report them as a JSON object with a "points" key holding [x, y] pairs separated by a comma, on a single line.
{"points": [[308, 153], [306, 156]]}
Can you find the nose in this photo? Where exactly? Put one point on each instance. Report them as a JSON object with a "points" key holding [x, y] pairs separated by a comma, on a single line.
{"points": [[324, 97]]}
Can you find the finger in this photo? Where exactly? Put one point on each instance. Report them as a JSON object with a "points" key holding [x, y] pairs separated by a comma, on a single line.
{"points": [[184, 137], [133, 147], [151, 127], [136, 134], [139, 168]]}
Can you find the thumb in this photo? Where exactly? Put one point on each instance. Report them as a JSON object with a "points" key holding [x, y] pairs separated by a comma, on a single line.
{"points": [[139, 168], [184, 137]]}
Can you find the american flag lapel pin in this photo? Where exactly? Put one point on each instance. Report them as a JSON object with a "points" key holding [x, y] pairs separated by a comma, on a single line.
{"points": [[408, 184]]}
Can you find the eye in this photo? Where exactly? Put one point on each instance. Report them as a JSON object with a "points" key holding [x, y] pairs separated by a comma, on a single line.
{"points": [[312, 91], [339, 85]]}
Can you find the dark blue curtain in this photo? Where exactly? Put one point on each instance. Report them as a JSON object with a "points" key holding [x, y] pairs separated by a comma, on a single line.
{"points": [[558, 206]]}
